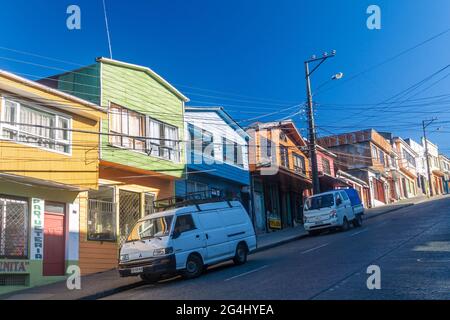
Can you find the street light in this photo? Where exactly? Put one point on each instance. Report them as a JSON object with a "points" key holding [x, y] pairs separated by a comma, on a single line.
{"points": [[311, 125]]}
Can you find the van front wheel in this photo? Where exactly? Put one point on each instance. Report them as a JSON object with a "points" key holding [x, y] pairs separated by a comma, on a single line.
{"points": [[240, 256], [194, 267]]}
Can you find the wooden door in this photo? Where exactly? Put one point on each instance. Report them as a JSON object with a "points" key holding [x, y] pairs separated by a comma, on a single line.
{"points": [[54, 244]]}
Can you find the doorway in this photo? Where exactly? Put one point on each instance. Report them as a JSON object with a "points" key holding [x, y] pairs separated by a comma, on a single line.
{"points": [[54, 260]]}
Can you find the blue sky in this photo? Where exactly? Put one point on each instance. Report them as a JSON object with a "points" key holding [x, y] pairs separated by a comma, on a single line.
{"points": [[248, 55]]}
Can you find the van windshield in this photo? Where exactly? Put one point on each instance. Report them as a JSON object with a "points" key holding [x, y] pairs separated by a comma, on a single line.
{"points": [[319, 202], [151, 228]]}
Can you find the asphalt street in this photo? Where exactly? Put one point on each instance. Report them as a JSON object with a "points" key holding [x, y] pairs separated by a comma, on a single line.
{"points": [[411, 246]]}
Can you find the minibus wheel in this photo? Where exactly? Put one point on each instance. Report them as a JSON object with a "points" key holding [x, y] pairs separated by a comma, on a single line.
{"points": [[358, 221], [240, 256], [345, 225], [194, 267]]}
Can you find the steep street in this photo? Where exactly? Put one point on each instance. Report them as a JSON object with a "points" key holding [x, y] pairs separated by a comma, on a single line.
{"points": [[411, 246]]}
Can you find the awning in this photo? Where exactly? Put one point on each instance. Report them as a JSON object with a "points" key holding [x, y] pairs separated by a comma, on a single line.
{"points": [[438, 173], [29, 181]]}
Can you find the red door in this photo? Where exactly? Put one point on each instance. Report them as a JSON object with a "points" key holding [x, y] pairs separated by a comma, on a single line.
{"points": [[54, 244]]}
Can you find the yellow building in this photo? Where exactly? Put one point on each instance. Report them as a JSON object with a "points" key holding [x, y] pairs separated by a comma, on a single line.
{"points": [[49, 159]]}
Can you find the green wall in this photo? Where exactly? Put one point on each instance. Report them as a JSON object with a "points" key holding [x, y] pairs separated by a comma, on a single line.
{"points": [[83, 83], [137, 90]]}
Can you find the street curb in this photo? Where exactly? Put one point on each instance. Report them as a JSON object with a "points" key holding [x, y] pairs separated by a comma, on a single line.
{"points": [[279, 243], [107, 293], [389, 211]]}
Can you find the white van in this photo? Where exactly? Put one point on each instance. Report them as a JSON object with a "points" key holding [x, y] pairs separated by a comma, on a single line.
{"points": [[186, 240], [333, 209]]}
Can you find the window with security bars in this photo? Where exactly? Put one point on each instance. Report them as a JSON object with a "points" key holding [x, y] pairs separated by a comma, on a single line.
{"points": [[13, 228], [148, 203], [8, 280], [129, 212], [102, 215]]}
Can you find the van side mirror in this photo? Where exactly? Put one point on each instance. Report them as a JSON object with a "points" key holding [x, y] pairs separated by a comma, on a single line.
{"points": [[176, 234], [338, 201]]}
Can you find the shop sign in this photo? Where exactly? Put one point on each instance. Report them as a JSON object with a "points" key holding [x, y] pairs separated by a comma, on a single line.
{"points": [[274, 222], [14, 266], [37, 229]]}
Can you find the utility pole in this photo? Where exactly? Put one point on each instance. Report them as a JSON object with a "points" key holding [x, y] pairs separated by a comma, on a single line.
{"points": [[310, 113], [425, 124]]}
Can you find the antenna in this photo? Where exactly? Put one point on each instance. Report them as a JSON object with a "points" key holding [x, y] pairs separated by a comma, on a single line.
{"points": [[107, 30]]}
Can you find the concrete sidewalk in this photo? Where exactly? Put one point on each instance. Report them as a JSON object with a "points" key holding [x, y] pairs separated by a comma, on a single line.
{"points": [[109, 282]]}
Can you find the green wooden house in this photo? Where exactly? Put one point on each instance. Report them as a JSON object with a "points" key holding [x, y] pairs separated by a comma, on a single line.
{"points": [[141, 150]]}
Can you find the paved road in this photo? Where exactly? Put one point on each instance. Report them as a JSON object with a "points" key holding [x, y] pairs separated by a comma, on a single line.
{"points": [[411, 246]]}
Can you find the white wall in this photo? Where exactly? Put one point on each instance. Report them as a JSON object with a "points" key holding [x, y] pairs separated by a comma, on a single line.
{"points": [[421, 165]]}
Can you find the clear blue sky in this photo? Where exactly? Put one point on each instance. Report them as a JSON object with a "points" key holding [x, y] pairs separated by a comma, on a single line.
{"points": [[256, 49]]}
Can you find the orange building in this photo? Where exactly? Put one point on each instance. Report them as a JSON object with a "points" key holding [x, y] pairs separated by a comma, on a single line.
{"points": [[280, 174]]}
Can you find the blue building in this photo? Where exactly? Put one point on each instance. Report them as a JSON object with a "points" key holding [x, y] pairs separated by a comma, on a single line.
{"points": [[216, 156]]}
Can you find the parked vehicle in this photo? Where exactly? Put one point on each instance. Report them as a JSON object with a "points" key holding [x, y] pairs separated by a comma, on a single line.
{"points": [[185, 240], [333, 209]]}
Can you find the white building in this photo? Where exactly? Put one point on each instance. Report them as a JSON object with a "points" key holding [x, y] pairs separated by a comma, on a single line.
{"points": [[421, 165]]}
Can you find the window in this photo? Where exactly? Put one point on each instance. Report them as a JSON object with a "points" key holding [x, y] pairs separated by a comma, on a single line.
{"points": [[137, 132], [35, 126], [148, 203], [344, 195], [232, 152], [163, 140], [126, 123], [374, 153], [326, 166], [319, 202], [284, 156], [102, 215], [409, 158], [207, 144], [381, 157], [299, 164], [13, 228], [196, 187], [151, 228], [201, 141], [184, 223]]}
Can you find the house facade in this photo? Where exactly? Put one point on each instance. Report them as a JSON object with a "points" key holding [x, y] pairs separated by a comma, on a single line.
{"points": [[445, 168], [49, 151], [435, 168], [327, 172], [365, 155], [407, 167], [142, 154], [216, 156], [421, 166], [279, 169]]}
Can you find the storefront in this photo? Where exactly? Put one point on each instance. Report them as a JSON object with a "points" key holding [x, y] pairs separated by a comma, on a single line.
{"points": [[49, 155], [38, 232], [124, 196]]}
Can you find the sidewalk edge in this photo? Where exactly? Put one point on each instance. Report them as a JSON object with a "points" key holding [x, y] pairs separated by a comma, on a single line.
{"points": [[389, 211]]}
